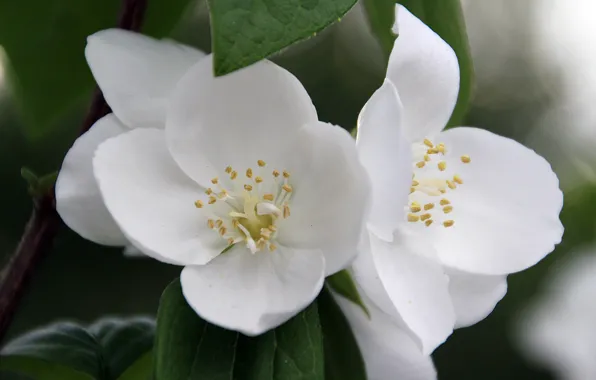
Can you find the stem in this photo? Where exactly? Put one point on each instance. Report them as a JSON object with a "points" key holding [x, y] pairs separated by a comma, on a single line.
{"points": [[44, 221]]}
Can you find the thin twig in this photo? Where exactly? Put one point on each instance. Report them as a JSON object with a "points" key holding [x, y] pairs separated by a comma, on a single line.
{"points": [[44, 221]]}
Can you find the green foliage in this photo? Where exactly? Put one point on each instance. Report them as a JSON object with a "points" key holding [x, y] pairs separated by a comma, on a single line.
{"points": [[142, 369], [37, 186], [69, 351], [246, 31], [343, 360], [188, 347], [343, 284], [44, 41], [445, 17]]}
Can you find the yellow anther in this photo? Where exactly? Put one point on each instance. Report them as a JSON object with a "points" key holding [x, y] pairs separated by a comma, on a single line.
{"points": [[442, 165], [420, 164], [425, 217], [268, 197], [222, 194], [272, 247], [415, 208], [230, 241], [233, 174], [415, 183], [426, 157], [429, 206], [442, 191], [208, 191], [465, 159], [451, 184], [275, 173], [222, 231], [249, 173], [248, 187], [214, 181], [286, 211], [448, 223], [286, 174], [261, 163], [413, 218], [258, 179], [228, 169], [428, 143], [441, 148], [432, 151], [219, 223], [428, 222], [212, 200], [412, 189], [265, 233], [415, 204], [447, 209], [199, 204], [211, 223], [261, 243], [287, 188], [458, 179], [272, 228], [235, 223], [444, 202]]}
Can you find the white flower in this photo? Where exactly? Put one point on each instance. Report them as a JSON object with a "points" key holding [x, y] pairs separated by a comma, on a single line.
{"points": [[454, 212], [559, 331], [388, 350], [243, 165]]}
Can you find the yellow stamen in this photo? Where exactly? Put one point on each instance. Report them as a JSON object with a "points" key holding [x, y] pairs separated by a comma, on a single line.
{"points": [[429, 206], [428, 222], [230, 241], [415, 183], [248, 187], [415, 208], [212, 200], [428, 143], [223, 194], [249, 173], [275, 173], [214, 181], [441, 148], [458, 179], [233, 174], [229, 169], [466, 159], [211, 223], [447, 209], [286, 174], [222, 231], [426, 157], [420, 164], [272, 247], [451, 184], [448, 223], [219, 223], [272, 228], [432, 151], [425, 217], [199, 204], [286, 211], [208, 191], [261, 163], [258, 179], [444, 202], [268, 197], [442, 165], [412, 189], [287, 188], [413, 218]]}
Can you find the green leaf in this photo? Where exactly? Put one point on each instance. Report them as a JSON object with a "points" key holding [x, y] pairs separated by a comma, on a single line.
{"points": [[246, 31], [343, 284], [44, 41], [343, 360], [105, 349], [445, 17], [142, 369], [186, 346], [38, 369]]}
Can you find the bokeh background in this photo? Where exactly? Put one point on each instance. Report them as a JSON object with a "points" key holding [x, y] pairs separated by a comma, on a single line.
{"points": [[535, 63]]}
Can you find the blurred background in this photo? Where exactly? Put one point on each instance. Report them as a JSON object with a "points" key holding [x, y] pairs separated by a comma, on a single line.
{"points": [[535, 63]]}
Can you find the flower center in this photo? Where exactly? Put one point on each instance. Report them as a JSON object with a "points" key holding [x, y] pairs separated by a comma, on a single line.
{"points": [[246, 208], [431, 183]]}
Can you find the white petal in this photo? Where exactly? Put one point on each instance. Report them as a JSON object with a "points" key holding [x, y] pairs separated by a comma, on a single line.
{"points": [[387, 157], [388, 351], [248, 115], [425, 72], [152, 200], [78, 200], [418, 288], [331, 196], [506, 212], [253, 293], [474, 297], [136, 73]]}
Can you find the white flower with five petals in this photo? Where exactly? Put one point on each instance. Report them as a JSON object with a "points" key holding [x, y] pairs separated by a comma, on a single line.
{"points": [[244, 187], [453, 212]]}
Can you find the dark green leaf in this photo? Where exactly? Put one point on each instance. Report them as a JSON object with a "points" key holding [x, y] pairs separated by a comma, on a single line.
{"points": [[186, 346], [38, 369], [255, 357], [445, 17], [44, 41], [246, 31], [343, 284], [343, 360], [142, 369], [105, 349]]}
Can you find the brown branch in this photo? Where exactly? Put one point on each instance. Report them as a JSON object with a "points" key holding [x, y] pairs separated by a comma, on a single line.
{"points": [[44, 221]]}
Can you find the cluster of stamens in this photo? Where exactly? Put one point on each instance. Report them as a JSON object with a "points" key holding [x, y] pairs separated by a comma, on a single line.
{"points": [[426, 183], [246, 207]]}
